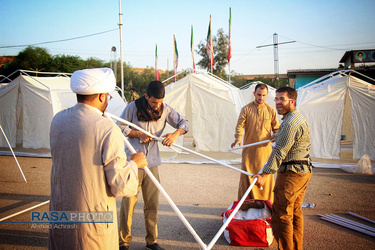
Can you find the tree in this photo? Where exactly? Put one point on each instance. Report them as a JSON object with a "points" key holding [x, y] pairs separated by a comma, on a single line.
{"points": [[220, 45], [92, 62], [66, 63], [31, 58]]}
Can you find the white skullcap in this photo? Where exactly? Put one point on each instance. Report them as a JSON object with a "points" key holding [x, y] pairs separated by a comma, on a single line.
{"points": [[93, 81]]}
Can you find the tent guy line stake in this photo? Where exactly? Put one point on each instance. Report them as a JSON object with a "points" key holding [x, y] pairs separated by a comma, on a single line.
{"points": [[14, 156], [25, 210], [176, 145], [249, 145]]}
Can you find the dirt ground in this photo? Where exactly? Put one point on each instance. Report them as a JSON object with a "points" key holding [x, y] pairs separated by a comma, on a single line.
{"points": [[202, 193]]}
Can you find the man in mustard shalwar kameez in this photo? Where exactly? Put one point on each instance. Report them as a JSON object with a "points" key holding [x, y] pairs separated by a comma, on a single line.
{"points": [[258, 120]]}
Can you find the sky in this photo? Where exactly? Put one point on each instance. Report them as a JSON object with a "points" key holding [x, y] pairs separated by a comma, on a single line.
{"points": [[322, 30]]}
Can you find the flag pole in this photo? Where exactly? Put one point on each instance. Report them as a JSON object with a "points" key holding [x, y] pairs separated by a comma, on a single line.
{"points": [[230, 42], [156, 62], [212, 48], [121, 59]]}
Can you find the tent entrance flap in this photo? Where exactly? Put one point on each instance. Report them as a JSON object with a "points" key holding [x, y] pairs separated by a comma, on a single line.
{"points": [[337, 106], [347, 125]]}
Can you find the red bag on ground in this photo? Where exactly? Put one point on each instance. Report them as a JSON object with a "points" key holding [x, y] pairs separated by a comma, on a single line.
{"points": [[251, 226]]}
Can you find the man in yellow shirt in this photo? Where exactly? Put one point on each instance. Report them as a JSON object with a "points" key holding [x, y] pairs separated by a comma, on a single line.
{"points": [[258, 120]]}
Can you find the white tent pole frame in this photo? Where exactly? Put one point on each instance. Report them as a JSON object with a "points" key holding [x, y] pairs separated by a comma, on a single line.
{"points": [[224, 226], [363, 218], [351, 222], [25, 210], [327, 218], [249, 145], [169, 200], [14, 156], [161, 189], [176, 145]]}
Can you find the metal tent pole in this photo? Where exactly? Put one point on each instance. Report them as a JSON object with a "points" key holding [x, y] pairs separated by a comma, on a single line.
{"points": [[14, 156]]}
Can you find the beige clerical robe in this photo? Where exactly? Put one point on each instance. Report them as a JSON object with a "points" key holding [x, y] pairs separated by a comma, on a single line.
{"points": [[258, 121], [89, 169]]}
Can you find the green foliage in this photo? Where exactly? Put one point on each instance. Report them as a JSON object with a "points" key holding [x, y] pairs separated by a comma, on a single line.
{"points": [[220, 45], [31, 58], [66, 63], [238, 81], [92, 62], [39, 59]]}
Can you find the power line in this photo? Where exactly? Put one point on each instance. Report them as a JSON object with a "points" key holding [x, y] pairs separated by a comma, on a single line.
{"points": [[56, 41], [327, 47], [310, 45]]}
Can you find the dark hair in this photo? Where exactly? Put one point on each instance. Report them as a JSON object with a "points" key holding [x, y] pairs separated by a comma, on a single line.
{"points": [[132, 89], [261, 86], [156, 89], [82, 98], [292, 93]]}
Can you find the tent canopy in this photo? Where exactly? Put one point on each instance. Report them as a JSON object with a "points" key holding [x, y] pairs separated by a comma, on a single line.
{"points": [[210, 104], [341, 103], [28, 104]]}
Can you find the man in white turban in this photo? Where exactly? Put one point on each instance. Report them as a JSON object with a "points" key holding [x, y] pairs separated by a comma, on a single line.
{"points": [[89, 164]]}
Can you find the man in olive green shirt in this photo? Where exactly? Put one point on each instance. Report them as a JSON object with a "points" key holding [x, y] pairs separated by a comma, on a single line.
{"points": [[290, 158]]}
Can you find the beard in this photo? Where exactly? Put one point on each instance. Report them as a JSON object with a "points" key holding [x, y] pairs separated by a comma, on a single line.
{"points": [[284, 110], [104, 106]]}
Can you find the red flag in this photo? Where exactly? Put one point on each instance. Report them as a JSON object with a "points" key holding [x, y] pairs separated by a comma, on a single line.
{"points": [[175, 61], [192, 47], [209, 46], [156, 63], [230, 43]]}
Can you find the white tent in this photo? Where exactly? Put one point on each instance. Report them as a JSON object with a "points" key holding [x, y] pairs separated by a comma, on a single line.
{"points": [[28, 104], [341, 103], [247, 92], [210, 104]]}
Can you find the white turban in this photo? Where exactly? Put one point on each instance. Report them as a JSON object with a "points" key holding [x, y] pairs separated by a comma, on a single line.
{"points": [[93, 81]]}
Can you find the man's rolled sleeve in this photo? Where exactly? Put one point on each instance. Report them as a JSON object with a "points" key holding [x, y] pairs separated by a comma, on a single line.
{"points": [[176, 120]]}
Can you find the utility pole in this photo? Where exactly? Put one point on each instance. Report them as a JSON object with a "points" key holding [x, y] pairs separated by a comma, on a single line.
{"points": [[275, 53], [121, 59], [113, 62]]}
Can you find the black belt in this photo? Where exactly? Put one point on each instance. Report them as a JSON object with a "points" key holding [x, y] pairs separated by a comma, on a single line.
{"points": [[303, 162]]}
